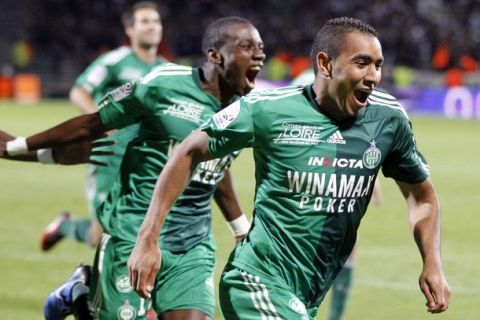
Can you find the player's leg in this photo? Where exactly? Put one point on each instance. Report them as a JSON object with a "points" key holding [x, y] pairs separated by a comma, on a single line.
{"points": [[244, 296], [341, 289], [111, 294], [184, 287]]}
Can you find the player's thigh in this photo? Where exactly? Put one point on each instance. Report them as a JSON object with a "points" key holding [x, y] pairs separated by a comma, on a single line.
{"points": [[111, 293], [244, 296], [185, 281]]}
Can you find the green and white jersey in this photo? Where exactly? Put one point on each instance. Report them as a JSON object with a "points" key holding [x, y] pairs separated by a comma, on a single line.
{"points": [[106, 73], [314, 180], [168, 104], [113, 69]]}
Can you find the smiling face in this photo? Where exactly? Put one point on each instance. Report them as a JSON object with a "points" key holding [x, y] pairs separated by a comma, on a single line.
{"points": [[146, 30], [353, 74], [242, 58]]}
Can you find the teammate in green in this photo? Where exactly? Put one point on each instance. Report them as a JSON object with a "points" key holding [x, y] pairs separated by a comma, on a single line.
{"points": [[317, 152], [168, 103], [341, 287], [143, 27]]}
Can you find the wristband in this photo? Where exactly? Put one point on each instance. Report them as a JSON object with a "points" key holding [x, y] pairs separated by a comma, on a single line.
{"points": [[239, 226], [45, 156], [17, 146]]}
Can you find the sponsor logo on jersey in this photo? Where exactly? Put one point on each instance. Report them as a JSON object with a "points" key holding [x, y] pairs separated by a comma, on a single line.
{"points": [[212, 171], [126, 311], [185, 109], [336, 138], [372, 156], [123, 91], [296, 305], [299, 133], [223, 118], [335, 162], [123, 284]]}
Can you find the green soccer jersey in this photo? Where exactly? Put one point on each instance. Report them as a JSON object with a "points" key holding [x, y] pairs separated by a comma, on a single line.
{"points": [[314, 179], [107, 72], [168, 104]]}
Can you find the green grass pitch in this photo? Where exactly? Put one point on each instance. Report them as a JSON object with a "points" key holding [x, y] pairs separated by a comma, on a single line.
{"points": [[387, 264]]}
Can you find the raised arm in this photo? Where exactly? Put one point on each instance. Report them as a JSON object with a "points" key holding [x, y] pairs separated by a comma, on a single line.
{"points": [[424, 221], [144, 262], [227, 201]]}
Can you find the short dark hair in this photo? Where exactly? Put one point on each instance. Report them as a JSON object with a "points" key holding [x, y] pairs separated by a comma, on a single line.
{"points": [[128, 16], [331, 37], [216, 34]]}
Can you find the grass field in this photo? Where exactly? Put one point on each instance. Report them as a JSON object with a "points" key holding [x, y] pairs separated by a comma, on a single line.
{"points": [[387, 265]]}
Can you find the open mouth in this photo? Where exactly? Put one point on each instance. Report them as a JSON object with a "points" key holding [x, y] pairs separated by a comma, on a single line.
{"points": [[361, 96], [251, 75]]}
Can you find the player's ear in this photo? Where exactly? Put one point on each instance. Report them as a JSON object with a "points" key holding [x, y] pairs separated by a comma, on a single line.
{"points": [[214, 56], [324, 65], [129, 32]]}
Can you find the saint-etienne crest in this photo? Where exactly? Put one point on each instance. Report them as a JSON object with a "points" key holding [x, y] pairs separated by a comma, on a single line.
{"points": [[372, 156]]}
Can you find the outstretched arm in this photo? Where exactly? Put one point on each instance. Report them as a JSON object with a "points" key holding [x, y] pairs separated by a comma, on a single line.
{"points": [[227, 201], [424, 221], [81, 128], [144, 262]]}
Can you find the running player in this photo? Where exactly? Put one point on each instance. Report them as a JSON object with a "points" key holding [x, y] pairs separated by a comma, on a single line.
{"points": [[143, 27], [317, 153]]}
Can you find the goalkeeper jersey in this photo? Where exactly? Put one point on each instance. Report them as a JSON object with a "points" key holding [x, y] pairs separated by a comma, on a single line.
{"points": [[168, 104], [314, 179]]}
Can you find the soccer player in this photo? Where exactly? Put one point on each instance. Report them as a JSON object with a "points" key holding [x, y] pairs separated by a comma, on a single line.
{"points": [[341, 287], [143, 27], [311, 190], [169, 103]]}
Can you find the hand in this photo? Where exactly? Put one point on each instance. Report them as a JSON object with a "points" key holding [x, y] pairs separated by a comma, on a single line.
{"points": [[143, 266], [80, 152], [435, 288], [4, 138]]}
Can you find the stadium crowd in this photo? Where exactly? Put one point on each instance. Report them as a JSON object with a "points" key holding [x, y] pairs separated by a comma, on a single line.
{"points": [[63, 36]]}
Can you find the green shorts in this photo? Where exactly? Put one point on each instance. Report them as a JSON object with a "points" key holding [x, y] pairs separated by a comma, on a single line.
{"points": [[185, 282], [244, 296]]}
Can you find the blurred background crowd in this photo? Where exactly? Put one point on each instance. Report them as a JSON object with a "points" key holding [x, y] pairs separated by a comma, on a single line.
{"points": [[425, 42]]}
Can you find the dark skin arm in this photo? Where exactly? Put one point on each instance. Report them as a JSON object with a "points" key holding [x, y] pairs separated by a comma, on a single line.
{"points": [[145, 259], [82, 128], [70, 154], [227, 201], [424, 220]]}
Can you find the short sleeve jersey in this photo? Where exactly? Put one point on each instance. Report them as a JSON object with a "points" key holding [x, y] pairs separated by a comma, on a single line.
{"points": [[168, 104], [107, 72], [314, 179]]}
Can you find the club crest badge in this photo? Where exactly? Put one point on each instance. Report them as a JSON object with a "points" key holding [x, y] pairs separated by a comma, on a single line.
{"points": [[372, 156]]}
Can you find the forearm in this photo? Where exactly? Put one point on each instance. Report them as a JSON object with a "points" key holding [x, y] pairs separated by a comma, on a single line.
{"points": [[424, 219], [226, 198], [171, 183], [81, 128]]}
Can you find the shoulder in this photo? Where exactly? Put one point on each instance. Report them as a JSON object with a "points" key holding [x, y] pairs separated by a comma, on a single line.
{"points": [[381, 103], [115, 56], [167, 70], [273, 96]]}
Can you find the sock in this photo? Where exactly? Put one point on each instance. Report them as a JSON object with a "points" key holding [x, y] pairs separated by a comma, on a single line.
{"points": [[340, 291], [81, 306], [76, 229]]}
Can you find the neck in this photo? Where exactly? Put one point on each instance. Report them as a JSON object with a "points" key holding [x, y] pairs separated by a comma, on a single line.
{"points": [[146, 54], [212, 82], [325, 103]]}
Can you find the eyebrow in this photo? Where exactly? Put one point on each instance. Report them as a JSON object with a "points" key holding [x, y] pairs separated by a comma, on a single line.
{"points": [[366, 57]]}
